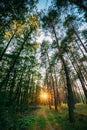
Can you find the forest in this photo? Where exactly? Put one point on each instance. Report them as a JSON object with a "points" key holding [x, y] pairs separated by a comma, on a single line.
{"points": [[43, 64]]}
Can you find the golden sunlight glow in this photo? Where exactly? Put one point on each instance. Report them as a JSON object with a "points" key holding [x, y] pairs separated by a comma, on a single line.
{"points": [[44, 96]]}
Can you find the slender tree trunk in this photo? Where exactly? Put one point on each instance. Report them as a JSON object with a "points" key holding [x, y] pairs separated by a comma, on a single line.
{"points": [[55, 96], [81, 63], [79, 39], [31, 89], [57, 89], [49, 91], [26, 90], [28, 84], [81, 50], [80, 94], [12, 87], [68, 83], [80, 78], [7, 45], [64, 85], [78, 67], [18, 89]]}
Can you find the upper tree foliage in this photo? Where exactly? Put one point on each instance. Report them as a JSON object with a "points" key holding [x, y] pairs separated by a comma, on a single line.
{"points": [[81, 3]]}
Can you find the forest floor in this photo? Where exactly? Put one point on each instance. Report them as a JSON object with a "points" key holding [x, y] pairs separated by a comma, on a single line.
{"points": [[43, 118]]}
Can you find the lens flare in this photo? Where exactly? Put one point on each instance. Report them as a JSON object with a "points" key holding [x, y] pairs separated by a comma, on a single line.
{"points": [[44, 96]]}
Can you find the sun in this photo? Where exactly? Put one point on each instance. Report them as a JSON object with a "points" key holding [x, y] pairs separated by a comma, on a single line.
{"points": [[44, 96]]}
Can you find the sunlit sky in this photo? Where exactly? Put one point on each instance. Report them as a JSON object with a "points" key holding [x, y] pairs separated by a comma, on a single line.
{"points": [[44, 4], [42, 37]]}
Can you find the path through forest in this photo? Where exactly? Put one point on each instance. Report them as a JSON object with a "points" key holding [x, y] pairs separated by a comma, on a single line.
{"points": [[42, 120]]}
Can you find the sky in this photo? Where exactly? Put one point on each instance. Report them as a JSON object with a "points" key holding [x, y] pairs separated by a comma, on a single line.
{"points": [[44, 4], [42, 36]]}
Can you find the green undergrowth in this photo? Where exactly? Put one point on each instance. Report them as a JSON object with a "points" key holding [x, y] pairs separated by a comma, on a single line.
{"points": [[41, 123], [81, 109], [24, 120], [34, 119], [61, 121], [25, 123], [27, 120]]}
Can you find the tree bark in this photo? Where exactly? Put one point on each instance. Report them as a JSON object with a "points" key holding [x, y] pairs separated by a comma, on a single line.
{"points": [[55, 94], [79, 38], [7, 46], [80, 78], [68, 83]]}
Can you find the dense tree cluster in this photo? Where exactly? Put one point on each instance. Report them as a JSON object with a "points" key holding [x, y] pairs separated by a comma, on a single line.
{"points": [[19, 76], [21, 57], [66, 66]]}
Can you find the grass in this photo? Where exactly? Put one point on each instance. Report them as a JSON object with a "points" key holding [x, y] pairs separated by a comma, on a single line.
{"points": [[44, 119], [62, 121], [81, 109], [25, 123], [41, 123]]}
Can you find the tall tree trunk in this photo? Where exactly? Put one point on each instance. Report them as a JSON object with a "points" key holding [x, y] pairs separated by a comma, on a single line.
{"points": [[55, 94], [18, 89], [12, 87], [80, 78], [81, 50], [7, 45], [79, 39], [78, 67], [68, 83], [57, 89], [80, 94], [80, 62], [48, 90]]}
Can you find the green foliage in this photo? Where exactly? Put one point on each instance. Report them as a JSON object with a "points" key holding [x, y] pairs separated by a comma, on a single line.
{"points": [[54, 45], [61, 3], [54, 59], [6, 118], [85, 16], [69, 20], [41, 122], [60, 120], [81, 4], [25, 123], [65, 45], [50, 19], [84, 32]]}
